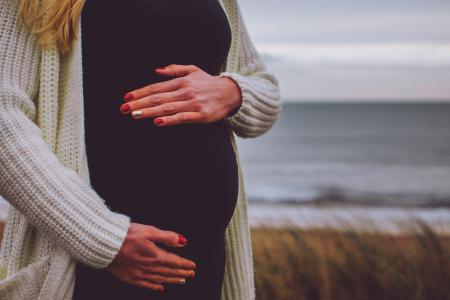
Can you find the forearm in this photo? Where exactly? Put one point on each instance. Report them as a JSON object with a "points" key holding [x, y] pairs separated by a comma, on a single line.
{"points": [[52, 197], [260, 106]]}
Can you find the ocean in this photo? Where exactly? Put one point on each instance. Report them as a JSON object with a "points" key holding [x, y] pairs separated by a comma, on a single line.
{"points": [[382, 154], [325, 164]]}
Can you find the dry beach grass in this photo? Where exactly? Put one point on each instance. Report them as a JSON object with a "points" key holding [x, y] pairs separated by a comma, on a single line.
{"points": [[327, 264], [330, 264]]}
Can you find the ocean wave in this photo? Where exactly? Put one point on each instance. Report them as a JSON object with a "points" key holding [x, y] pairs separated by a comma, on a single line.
{"points": [[337, 195]]}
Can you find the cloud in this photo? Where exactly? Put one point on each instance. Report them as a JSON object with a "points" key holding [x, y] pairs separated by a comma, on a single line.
{"points": [[361, 54], [354, 49], [347, 21]]}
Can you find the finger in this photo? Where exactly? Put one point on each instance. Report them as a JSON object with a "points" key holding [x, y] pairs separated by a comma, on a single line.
{"points": [[163, 279], [170, 272], [153, 100], [165, 109], [148, 285], [155, 88], [167, 237], [163, 258], [174, 261], [180, 118], [177, 70]]}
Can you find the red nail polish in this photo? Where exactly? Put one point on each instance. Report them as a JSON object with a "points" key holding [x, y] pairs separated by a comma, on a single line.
{"points": [[159, 121], [128, 97], [125, 108], [182, 240]]}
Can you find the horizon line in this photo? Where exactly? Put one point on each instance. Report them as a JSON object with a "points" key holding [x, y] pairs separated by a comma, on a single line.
{"points": [[364, 101]]}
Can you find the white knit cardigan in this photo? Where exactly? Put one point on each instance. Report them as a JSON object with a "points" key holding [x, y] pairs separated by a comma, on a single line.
{"points": [[56, 218]]}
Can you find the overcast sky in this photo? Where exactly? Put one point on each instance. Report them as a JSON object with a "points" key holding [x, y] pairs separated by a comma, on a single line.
{"points": [[354, 49]]}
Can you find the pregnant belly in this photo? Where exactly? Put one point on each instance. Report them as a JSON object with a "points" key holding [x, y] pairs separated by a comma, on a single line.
{"points": [[182, 178]]}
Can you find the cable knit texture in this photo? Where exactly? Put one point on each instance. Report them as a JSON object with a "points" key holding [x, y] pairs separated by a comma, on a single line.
{"points": [[56, 218]]}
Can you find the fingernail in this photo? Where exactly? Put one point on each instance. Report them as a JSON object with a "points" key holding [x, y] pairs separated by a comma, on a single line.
{"points": [[182, 240], [159, 121], [136, 113], [128, 97], [125, 108], [160, 68], [182, 281]]}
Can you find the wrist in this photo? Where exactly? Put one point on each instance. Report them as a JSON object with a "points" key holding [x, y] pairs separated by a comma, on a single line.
{"points": [[235, 97]]}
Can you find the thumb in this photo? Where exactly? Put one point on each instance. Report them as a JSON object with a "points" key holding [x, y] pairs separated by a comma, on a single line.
{"points": [[177, 70], [168, 238]]}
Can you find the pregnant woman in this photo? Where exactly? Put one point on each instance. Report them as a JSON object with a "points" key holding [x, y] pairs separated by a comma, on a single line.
{"points": [[179, 177], [118, 154]]}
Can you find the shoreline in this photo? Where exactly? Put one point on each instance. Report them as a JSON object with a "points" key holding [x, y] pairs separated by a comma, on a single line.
{"points": [[389, 219]]}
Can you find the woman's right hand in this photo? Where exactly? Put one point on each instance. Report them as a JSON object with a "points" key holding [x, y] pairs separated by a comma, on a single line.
{"points": [[142, 263]]}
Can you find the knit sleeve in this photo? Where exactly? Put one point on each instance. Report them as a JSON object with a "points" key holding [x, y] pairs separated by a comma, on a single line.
{"points": [[53, 198], [259, 88]]}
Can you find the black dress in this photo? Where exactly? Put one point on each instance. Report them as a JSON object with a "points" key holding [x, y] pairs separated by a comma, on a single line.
{"points": [[181, 178]]}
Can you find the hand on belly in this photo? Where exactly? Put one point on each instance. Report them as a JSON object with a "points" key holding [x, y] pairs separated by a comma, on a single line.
{"points": [[193, 96], [143, 263]]}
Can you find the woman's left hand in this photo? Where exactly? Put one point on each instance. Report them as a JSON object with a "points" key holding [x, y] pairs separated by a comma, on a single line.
{"points": [[193, 96]]}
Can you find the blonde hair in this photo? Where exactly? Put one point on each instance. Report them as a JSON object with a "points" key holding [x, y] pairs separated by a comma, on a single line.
{"points": [[53, 21]]}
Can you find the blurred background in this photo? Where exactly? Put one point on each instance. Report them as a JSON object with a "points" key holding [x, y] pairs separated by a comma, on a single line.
{"points": [[362, 146], [366, 103]]}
